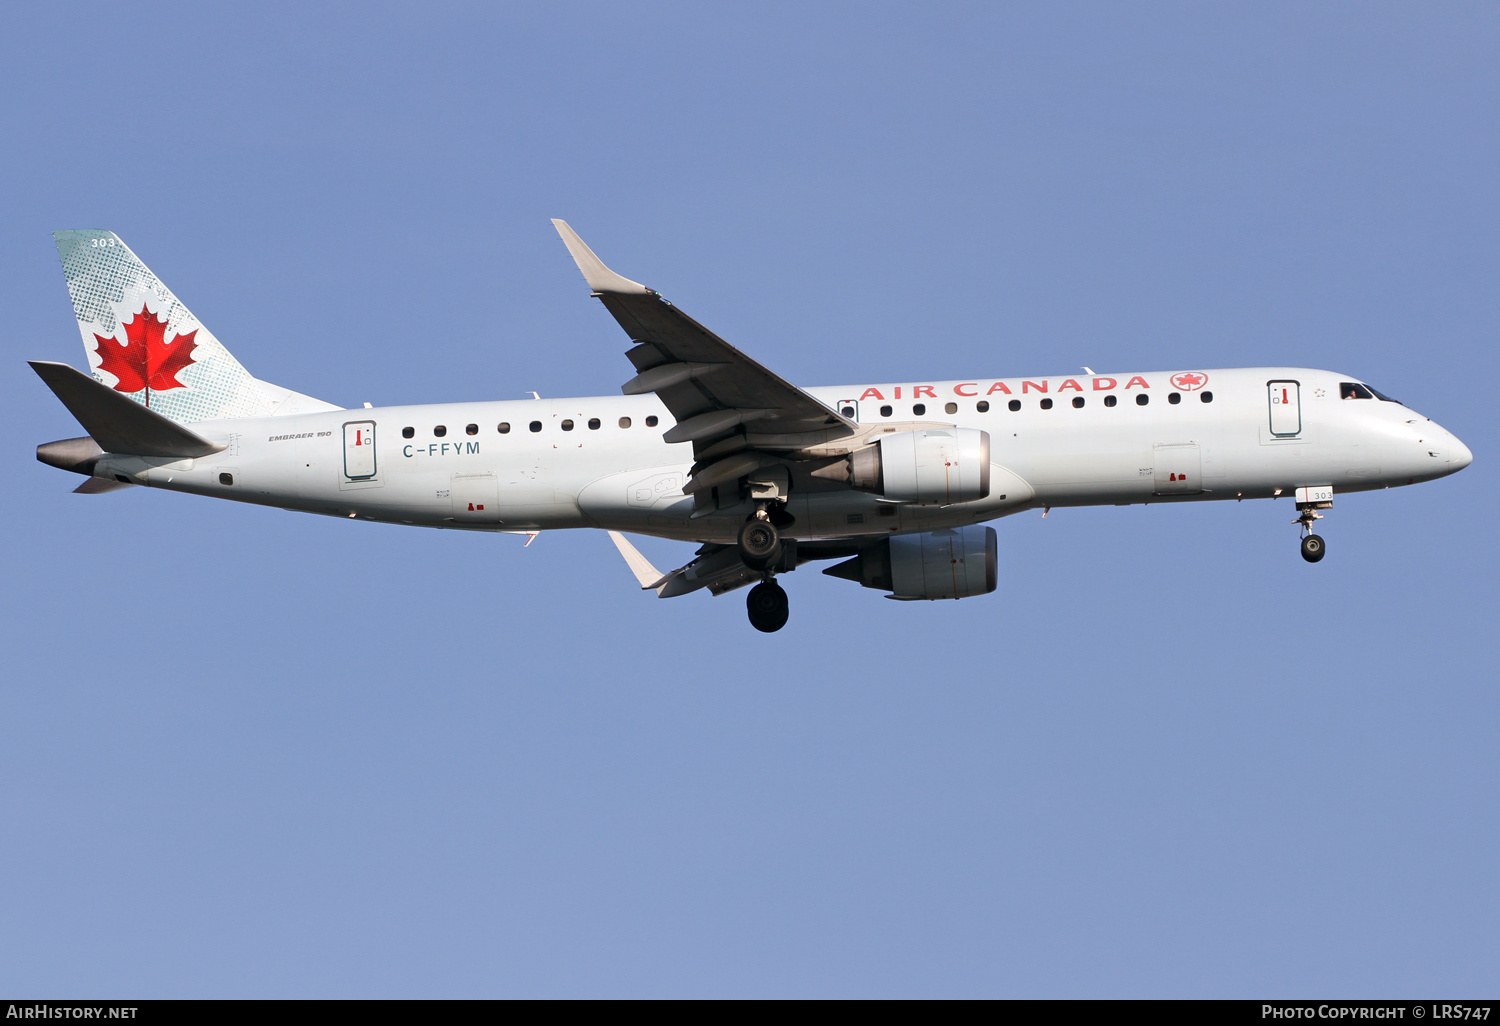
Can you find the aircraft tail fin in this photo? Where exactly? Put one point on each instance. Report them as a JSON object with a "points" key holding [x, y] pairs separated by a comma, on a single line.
{"points": [[145, 345]]}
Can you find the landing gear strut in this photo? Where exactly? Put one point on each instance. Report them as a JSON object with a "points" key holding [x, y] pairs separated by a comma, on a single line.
{"points": [[1313, 546], [767, 606]]}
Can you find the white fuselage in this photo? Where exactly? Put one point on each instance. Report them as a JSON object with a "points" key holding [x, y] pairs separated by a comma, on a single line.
{"points": [[450, 465]]}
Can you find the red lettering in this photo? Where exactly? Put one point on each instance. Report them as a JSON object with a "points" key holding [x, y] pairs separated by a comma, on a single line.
{"points": [[1132, 381], [998, 386], [1027, 386], [918, 390], [898, 391], [959, 389], [872, 393], [1100, 386], [1070, 383]]}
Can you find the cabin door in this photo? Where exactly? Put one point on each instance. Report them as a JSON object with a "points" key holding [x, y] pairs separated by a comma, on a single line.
{"points": [[359, 450], [1286, 408]]}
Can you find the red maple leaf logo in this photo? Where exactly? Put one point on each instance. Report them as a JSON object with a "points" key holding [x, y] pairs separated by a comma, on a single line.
{"points": [[147, 359], [1188, 382]]}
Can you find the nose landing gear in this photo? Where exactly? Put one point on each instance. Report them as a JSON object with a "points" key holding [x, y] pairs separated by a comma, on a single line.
{"points": [[1313, 546]]}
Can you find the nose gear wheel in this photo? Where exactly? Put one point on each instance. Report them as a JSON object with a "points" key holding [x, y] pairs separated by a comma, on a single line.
{"points": [[1313, 546]]}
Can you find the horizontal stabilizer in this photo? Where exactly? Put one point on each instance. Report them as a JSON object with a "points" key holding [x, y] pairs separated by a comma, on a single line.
{"points": [[98, 486], [119, 424]]}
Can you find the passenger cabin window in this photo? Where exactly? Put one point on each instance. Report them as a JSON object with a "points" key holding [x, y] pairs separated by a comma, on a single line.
{"points": [[440, 431], [1354, 390], [472, 429], [951, 408], [983, 406], [1174, 398], [1110, 400], [651, 421], [504, 427], [535, 426], [1046, 404], [1015, 404], [593, 423], [885, 411], [846, 411], [224, 479], [1078, 402], [624, 422], [408, 432], [567, 425], [919, 410], [1142, 399], [1207, 397]]}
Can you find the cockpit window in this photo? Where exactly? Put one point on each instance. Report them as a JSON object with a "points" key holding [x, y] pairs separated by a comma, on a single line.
{"points": [[1353, 390], [1385, 398]]}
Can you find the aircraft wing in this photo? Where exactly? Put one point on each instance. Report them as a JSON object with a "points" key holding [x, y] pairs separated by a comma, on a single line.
{"points": [[710, 387]]}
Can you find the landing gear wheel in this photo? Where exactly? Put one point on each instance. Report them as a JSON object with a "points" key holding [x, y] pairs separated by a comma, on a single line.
{"points": [[767, 606], [760, 544], [1313, 548]]}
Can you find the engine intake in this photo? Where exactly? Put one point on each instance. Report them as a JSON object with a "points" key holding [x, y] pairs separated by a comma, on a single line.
{"points": [[948, 564], [931, 467]]}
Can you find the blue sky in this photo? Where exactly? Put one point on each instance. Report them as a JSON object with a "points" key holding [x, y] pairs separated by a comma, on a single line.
{"points": [[255, 753]]}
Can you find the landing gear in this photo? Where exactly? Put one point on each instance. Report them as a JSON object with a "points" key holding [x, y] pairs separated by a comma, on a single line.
{"points": [[759, 542], [767, 606], [1313, 546]]}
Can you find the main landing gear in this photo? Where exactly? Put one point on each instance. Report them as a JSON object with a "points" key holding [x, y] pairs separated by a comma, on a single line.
{"points": [[760, 549], [1313, 546], [767, 606]]}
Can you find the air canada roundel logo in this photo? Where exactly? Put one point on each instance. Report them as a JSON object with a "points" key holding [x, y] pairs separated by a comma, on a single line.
{"points": [[1189, 381]]}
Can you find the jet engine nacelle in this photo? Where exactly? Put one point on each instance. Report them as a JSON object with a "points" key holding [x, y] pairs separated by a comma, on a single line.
{"points": [[947, 564], [934, 466]]}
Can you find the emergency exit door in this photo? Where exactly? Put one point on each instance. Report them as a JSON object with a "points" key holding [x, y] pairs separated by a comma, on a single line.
{"points": [[359, 450], [1286, 408]]}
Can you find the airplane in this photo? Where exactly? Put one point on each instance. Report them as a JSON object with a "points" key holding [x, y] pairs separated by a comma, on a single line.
{"points": [[709, 446]]}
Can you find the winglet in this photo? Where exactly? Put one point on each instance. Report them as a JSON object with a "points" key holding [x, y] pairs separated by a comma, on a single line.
{"points": [[599, 277], [650, 577]]}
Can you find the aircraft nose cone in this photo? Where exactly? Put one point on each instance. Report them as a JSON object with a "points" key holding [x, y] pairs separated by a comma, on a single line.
{"points": [[1459, 455]]}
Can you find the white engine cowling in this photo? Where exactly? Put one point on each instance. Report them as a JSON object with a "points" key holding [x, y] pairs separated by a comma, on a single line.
{"points": [[934, 466], [947, 564]]}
